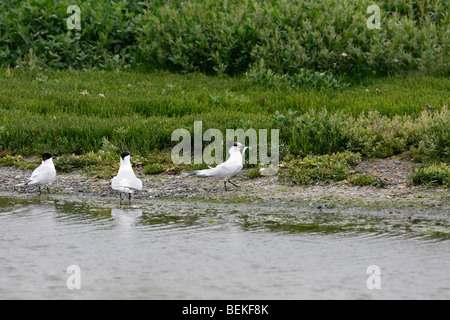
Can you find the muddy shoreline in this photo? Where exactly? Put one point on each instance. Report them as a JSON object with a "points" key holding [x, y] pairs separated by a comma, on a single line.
{"points": [[398, 196]]}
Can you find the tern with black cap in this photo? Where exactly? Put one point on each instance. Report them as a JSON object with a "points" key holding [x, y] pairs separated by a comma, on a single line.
{"points": [[125, 181], [44, 175], [225, 170]]}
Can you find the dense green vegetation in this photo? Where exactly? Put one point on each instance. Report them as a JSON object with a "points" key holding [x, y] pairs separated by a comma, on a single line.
{"points": [[311, 169], [435, 174], [63, 112], [293, 41], [136, 71]]}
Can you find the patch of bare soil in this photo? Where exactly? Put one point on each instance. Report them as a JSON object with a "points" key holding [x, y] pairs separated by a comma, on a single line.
{"points": [[392, 171]]}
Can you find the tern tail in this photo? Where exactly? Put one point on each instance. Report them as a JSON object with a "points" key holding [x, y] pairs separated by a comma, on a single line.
{"points": [[195, 172], [189, 173], [21, 185]]}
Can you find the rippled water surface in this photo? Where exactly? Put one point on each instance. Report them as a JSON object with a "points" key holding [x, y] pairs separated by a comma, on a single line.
{"points": [[190, 250]]}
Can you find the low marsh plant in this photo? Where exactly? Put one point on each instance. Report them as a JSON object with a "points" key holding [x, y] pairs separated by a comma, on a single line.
{"points": [[372, 134], [17, 161], [103, 163], [70, 162], [378, 118], [364, 179], [431, 174], [262, 75], [154, 168], [314, 169], [253, 173]]}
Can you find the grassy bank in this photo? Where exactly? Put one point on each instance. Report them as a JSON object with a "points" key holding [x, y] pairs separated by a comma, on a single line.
{"points": [[73, 111], [135, 71], [86, 117]]}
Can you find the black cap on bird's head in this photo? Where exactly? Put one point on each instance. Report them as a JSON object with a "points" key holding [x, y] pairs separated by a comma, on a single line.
{"points": [[125, 154], [46, 156], [238, 144]]}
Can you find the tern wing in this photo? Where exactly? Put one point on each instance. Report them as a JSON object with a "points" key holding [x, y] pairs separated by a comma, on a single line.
{"points": [[223, 170], [126, 179], [42, 175]]}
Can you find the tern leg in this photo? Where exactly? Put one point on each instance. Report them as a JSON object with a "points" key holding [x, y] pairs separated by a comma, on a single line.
{"points": [[234, 184], [129, 197], [225, 184]]}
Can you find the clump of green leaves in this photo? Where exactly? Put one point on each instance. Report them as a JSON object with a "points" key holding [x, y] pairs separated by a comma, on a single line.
{"points": [[17, 161], [253, 173], [313, 169], [296, 40], [154, 168], [431, 174], [260, 74], [107, 156], [366, 180], [372, 134], [69, 162]]}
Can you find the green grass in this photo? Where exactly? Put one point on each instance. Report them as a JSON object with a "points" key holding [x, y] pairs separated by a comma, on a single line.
{"points": [[431, 174], [154, 168], [366, 180], [312, 169], [44, 111], [17, 161], [168, 94]]}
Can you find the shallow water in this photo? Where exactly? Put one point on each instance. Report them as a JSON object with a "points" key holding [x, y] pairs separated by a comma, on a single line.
{"points": [[191, 250]]}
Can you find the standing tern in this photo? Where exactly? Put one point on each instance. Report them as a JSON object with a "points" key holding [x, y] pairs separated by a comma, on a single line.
{"points": [[44, 175], [125, 181], [225, 170]]}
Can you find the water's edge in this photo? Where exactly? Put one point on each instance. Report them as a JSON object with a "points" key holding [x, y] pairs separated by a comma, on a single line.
{"points": [[290, 216]]}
